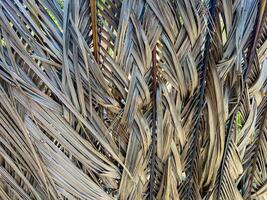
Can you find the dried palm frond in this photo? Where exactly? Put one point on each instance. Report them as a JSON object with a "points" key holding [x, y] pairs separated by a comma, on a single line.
{"points": [[133, 99]]}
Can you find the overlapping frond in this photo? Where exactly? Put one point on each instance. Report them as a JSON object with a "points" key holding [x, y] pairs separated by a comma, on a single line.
{"points": [[133, 99]]}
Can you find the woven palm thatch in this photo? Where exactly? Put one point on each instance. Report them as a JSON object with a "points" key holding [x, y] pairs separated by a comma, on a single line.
{"points": [[133, 99]]}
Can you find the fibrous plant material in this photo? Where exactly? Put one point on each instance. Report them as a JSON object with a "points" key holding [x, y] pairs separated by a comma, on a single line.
{"points": [[133, 99]]}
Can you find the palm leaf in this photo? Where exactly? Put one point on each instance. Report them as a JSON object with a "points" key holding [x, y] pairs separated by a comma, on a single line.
{"points": [[133, 99]]}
